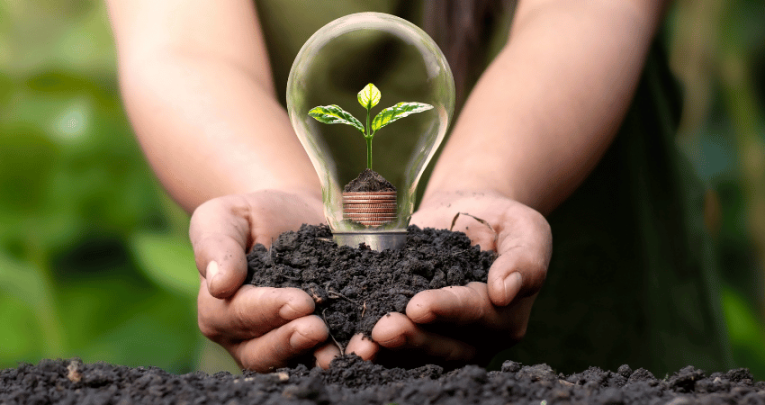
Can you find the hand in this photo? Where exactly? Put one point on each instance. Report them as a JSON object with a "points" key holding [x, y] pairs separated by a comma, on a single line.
{"points": [[473, 322], [262, 328]]}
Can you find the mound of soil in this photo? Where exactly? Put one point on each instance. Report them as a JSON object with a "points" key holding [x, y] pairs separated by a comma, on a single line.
{"points": [[369, 180], [354, 287], [353, 381]]}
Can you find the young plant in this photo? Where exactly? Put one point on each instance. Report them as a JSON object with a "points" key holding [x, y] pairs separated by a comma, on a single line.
{"points": [[368, 97]]}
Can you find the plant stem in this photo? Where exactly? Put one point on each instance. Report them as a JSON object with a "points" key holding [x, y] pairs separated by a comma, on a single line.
{"points": [[368, 134], [369, 151], [368, 138]]}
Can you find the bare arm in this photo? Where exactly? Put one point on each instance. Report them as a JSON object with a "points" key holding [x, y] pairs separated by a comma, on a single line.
{"points": [[533, 128], [198, 89], [549, 105], [197, 86]]}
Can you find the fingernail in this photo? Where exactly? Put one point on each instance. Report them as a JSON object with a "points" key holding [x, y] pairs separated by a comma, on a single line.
{"points": [[306, 337], [289, 312], [512, 286], [210, 273], [499, 285]]}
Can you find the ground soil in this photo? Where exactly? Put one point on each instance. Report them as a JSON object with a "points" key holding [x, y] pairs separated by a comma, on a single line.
{"points": [[353, 381], [354, 287], [369, 180]]}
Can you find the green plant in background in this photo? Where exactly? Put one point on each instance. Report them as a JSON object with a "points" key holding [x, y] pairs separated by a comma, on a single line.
{"points": [[368, 97], [95, 259], [717, 51]]}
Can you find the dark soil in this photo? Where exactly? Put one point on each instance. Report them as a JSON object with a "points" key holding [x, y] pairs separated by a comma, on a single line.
{"points": [[352, 381], [354, 287], [369, 180]]}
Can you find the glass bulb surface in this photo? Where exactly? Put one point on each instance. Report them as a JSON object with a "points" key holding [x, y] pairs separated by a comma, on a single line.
{"points": [[338, 61]]}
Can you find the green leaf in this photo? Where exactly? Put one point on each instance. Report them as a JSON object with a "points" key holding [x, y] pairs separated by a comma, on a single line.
{"points": [[369, 96], [32, 287], [396, 112], [166, 260], [23, 280], [333, 114]]}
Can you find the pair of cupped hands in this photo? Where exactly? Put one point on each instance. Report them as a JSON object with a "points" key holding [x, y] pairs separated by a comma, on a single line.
{"points": [[265, 328]]}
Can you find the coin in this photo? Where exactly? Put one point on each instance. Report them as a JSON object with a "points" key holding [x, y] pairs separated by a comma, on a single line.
{"points": [[369, 198], [382, 204], [370, 210], [361, 203], [372, 217]]}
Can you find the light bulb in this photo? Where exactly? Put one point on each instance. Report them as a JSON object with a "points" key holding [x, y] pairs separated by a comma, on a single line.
{"points": [[344, 68]]}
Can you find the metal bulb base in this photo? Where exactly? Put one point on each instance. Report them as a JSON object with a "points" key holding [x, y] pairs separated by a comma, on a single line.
{"points": [[378, 241]]}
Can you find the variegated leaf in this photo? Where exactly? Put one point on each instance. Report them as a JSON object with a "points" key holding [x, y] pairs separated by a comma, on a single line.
{"points": [[333, 114], [369, 96], [396, 112]]}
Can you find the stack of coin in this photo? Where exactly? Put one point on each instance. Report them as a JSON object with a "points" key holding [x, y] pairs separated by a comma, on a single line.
{"points": [[370, 208]]}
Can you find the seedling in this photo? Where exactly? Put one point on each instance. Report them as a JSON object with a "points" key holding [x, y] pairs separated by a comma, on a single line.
{"points": [[368, 97]]}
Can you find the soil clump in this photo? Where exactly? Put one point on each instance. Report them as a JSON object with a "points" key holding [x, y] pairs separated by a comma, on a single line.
{"points": [[353, 381], [369, 181], [354, 287]]}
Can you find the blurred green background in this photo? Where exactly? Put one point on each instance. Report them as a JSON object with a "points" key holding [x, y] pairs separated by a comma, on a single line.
{"points": [[94, 257]]}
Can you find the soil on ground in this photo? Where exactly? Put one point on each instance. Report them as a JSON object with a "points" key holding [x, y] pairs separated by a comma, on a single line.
{"points": [[369, 180], [353, 381], [354, 287]]}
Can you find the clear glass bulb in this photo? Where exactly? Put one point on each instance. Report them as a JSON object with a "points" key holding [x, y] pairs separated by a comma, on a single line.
{"points": [[338, 61]]}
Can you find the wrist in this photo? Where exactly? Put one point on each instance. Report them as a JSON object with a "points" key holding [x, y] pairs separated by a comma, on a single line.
{"points": [[457, 200], [465, 187]]}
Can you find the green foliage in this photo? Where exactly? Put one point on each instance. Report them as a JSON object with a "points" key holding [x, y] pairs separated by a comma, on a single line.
{"points": [[747, 333], [166, 261], [396, 112], [368, 97], [722, 132], [333, 114], [94, 259]]}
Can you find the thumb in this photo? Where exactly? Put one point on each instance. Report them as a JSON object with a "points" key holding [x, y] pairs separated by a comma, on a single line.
{"points": [[524, 255], [219, 233]]}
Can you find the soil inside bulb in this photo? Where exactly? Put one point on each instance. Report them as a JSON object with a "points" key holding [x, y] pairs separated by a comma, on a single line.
{"points": [[354, 287], [369, 181]]}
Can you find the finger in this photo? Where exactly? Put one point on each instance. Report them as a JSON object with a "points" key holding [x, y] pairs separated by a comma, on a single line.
{"points": [[220, 235], [455, 305], [363, 347], [251, 312], [396, 332], [471, 305], [524, 247], [325, 354], [277, 347]]}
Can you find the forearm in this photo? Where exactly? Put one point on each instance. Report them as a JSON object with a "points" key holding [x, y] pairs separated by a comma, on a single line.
{"points": [[197, 86], [547, 108], [208, 129]]}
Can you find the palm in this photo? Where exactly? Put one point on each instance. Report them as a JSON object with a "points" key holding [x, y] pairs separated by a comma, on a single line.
{"points": [[497, 311], [261, 327]]}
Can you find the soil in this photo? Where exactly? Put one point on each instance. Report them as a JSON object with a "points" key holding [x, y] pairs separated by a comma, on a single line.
{"points": [[354, 287], [369, 180], [353, 381]]}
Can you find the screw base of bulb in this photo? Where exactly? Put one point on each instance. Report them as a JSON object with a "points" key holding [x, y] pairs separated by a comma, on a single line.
{"points": [[378, 241]]}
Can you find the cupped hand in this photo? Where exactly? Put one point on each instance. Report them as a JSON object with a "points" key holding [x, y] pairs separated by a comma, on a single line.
{"points": [[262, 328], [473, 322]]}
